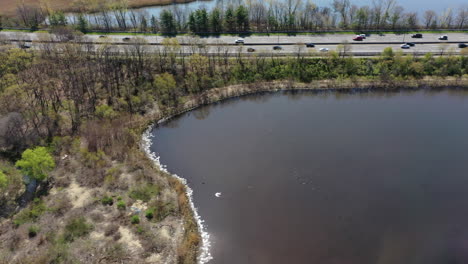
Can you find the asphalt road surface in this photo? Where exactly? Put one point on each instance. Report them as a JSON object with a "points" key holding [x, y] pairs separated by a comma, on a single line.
{"points": [[264, 44]]}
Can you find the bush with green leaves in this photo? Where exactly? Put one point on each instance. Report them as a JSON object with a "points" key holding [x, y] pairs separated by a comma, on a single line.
{"points": [[37, 163], [3, 180], [31, 214], [121, 205], [135, 219], [32, 231], [149, 213], [75, 228], [107, 200], [144, 192]]}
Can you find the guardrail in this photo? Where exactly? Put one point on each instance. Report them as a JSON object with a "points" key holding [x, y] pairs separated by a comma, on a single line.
{"points": [[267, 32], [129, 43]]}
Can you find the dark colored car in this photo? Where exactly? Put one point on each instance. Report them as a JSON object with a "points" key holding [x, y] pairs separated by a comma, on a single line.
{"points": [[410, 44], [102, 36], [462, 45], [310, 45], [250, 50], [358, 38], [26, 45], [126, 39], [277, 48], [417, 35], [443, 38]]}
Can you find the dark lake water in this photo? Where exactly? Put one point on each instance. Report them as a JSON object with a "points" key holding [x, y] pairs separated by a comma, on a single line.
{"points": [[328, 178]]}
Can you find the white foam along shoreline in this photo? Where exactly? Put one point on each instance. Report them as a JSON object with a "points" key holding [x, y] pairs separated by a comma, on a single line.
{"points": [[204, 255]]}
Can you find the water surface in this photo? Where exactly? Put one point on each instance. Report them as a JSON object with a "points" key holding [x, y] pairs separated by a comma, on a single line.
{"points": [[329, 178]]}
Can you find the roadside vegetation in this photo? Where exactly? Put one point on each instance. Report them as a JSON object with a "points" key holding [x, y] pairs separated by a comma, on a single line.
{"points": [[240, 17], [71, 122]]}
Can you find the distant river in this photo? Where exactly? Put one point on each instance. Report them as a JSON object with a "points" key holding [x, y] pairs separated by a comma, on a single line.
{"points": [[328, 178]]}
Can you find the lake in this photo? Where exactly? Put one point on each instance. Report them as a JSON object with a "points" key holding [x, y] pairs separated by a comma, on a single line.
{"points": [[329, 178]]}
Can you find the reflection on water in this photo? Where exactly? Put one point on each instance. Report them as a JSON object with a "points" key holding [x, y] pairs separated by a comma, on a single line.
{"points": [[354, 177]]}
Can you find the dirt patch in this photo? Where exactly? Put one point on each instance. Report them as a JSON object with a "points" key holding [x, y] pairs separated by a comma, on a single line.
{"points": [[129, 239], [79, 196]]}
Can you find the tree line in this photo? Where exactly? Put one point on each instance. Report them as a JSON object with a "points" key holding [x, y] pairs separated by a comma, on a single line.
{"points": [[239, 17]]}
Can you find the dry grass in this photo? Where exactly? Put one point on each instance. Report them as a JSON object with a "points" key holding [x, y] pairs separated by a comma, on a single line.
{"points": [[8, 7]]}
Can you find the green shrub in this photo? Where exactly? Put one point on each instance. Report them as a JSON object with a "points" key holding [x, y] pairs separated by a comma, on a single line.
{"points": [[135, 219], [140, 230], [35, 210], [105, 112], [3, 180], [121, 205], [36, 163], [149, 213], [32, 231], [106, 200], [75, 228], [145, 192]]}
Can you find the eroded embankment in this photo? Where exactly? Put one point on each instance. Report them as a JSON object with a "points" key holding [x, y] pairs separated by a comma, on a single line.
{"points": [[219, 94]]}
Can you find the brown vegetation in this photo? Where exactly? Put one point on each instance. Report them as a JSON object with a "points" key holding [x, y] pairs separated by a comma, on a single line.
{"points": [[10, 7]]}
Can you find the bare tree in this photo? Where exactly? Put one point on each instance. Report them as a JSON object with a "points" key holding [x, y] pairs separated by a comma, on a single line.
{"points": [[430, 19], [446, 20], [462, 17]]}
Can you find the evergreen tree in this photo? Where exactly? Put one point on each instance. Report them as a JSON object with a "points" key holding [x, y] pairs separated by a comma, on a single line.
{"points": [[230, 20], [82, 23], [202, 20], [168, 25], [154, 24], [216, 21], [242, 17], [192, 22], [143, 24]]}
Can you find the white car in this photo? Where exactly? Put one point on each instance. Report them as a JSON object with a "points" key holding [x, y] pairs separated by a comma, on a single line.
{"points": [[323, 50], [240, 41], [363, 36], [405, 46]]}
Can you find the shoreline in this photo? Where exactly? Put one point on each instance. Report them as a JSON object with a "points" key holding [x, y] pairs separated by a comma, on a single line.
{"points": [[67, 7], [216, 95]]}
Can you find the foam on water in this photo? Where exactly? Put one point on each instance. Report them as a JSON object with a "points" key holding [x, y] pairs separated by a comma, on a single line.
{"points": [[205, 255]]}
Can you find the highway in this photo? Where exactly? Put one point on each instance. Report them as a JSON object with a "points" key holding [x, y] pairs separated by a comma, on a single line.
{"points": [[372, 45]]}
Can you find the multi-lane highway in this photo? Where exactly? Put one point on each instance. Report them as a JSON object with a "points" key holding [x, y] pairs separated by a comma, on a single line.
{"points": [[373, 44]]}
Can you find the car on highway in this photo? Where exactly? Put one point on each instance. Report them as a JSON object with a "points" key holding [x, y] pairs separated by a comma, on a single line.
{"points": [[277, 48], [102, 36], [25, 45], [462, 45], [405, 46], [363, 36], [240, 41], [411, 44], [358, 38], [126, 39], [445, 37], [250, 50], [324, 50], [418, 35], [310, 45]]}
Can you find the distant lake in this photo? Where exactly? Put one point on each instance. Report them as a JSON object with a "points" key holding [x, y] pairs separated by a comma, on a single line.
{"points": [[328, 178]]}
